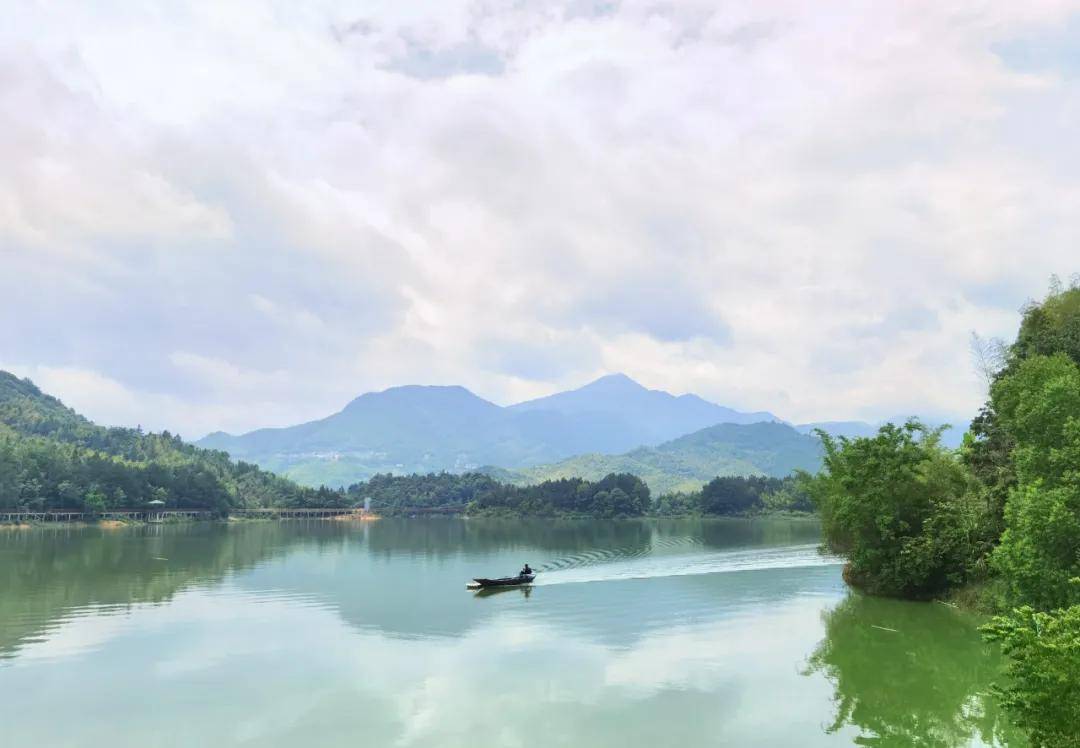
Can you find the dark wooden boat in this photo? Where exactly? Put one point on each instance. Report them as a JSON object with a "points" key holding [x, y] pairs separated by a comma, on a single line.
{"points": [[517, 581]]}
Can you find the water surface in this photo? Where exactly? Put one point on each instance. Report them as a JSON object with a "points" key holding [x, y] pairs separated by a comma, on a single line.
{"points": [[638, 633]]}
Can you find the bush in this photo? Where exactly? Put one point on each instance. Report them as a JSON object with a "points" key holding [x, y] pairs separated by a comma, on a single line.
{"points": [[1043, 690], [902, 509]]}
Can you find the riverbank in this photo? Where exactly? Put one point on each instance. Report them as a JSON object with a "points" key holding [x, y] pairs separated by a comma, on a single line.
{"points": [[119, 519], [490, 514], [29, 520], [986, 597]]}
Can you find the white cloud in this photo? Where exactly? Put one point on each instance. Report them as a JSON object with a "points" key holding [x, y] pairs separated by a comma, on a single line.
{"points": [[777, 206]]}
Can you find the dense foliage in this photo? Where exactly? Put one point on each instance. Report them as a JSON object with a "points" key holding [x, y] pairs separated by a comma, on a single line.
{"points": [[901, 509], [430, 493], [1042, 693], [1039, 404], [51, 458], [1035, 401], [737, 495], [616, 495]]}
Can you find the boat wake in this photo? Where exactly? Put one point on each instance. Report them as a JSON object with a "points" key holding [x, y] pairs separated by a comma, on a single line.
{"points": [[640, 566]]}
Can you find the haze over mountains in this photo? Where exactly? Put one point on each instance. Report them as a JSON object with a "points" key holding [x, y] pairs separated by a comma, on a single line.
{"points": [[688, 462], [434, 428]]}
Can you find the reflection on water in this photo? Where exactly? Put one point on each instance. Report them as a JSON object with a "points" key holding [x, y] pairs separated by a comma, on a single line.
{"points": [[684, 632], [911, 674]]}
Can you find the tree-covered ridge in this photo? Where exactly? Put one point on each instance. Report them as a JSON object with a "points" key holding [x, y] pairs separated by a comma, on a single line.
{"points": [[430, 492], [915, 520], [52, 458], [685, 464], [734, 495], [615, 495]]}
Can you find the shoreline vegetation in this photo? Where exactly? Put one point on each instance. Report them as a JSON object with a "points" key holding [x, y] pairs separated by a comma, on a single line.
{"points": [[617, 495], [992, 527], [120, 524], [111, 523]]}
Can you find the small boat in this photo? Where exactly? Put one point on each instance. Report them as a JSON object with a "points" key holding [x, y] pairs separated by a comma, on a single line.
{"points": [[517, 581]]}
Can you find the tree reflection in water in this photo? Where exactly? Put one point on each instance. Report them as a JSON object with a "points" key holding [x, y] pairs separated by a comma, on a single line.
{"points": [[911, 674]]}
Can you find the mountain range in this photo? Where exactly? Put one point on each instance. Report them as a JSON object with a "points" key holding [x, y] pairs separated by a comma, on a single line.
{"points": [[433, 428], [612, 422]]}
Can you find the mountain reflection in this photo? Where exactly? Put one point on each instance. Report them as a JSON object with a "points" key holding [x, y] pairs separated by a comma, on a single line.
{"points": [[400, 575], [369, 628]]}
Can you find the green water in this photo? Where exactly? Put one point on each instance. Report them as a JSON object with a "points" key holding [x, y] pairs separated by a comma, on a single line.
{"points": [[681, 632]]}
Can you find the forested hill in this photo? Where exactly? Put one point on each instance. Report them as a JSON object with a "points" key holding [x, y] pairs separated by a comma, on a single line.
{"points": [[687, 463], [480, 495], [53, 458]]}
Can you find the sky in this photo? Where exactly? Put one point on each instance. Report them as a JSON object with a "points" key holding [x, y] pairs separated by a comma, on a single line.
{"points": [[219, 215]]}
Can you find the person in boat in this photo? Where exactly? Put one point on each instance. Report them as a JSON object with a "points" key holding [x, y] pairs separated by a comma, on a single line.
{"points": [[526, 571]]}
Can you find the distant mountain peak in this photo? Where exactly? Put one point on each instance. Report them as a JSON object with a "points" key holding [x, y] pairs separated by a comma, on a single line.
{"points": [[422, 393], [615, 381], [429, 388]]}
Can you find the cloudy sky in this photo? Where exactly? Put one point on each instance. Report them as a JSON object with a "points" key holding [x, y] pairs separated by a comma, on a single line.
{"points": [[232, 215]]}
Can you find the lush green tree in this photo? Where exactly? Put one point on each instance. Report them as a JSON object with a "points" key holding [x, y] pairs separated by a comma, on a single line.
{"points": [[792, 495], [677, 504], [987, 450], [95, 499], [616, 495], [1043, 688], [901, 509], [1049, 327], [1038, 402], [735, 495]]}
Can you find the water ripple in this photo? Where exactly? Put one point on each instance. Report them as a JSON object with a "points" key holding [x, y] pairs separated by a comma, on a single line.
{"points": [[648, 566]]}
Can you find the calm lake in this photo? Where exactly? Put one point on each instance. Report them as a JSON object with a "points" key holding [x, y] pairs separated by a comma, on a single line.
{"points": [[638, 633]]}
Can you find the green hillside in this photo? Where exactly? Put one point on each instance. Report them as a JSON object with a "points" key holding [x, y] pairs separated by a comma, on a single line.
{"points": [[481, 495], [53, 458], [687, 463]]}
